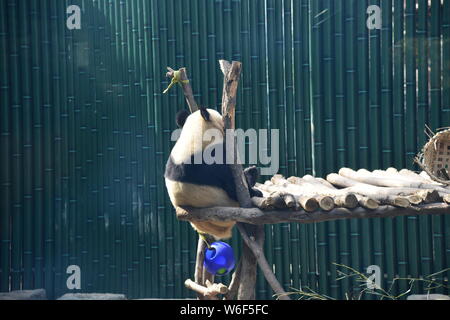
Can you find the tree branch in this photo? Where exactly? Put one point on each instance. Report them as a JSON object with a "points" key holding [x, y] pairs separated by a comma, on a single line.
{"points": [[263, 264], [185, 84], [257, 216], [210, 291]]}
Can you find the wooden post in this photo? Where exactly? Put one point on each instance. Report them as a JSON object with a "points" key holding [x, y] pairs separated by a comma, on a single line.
{"points": [[231, 73], [252, 252]]}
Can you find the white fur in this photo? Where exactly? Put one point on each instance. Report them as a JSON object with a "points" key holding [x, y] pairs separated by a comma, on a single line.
{"points": [[191, 137]]}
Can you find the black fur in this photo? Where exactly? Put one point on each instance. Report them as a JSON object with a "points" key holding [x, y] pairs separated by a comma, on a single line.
{"points": [[251, 175], [215, 175], [181, 117], [205, 114]]}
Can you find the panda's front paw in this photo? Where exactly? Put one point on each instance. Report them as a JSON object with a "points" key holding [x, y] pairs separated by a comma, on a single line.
{"points": [[255, 193], [251, 174]]}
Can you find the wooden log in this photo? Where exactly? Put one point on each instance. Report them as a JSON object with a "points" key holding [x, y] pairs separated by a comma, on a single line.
{"points": [[365, 176], [233, 287], [347, 201], [367, 202], [259, 217], [210, 291], [275, 199], [341, 198], [231, 72], [289, 200], [302, 188], [308, 203], [414, 199], [447, 198], [265, 267], [427, 177], [412, 175], [325, 202], [363, 201], [382, 195], [407, 177], [262, 203]]}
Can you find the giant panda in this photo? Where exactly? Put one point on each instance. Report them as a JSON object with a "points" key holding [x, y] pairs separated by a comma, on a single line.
{"points": [[202, 185]]}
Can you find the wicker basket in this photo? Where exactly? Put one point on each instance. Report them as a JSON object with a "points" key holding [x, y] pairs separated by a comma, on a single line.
{"points": [[435, 157]]}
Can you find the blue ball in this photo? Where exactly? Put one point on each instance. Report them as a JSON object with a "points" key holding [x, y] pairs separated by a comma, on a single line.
{"points": [[219, 259]]}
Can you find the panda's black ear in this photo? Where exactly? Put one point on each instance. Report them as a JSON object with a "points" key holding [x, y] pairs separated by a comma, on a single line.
{"points": [[205, 114], [181, 117]]}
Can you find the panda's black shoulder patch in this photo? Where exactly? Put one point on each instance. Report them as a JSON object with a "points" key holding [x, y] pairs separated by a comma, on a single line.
{"points": [[205, 114], [214, 175], [181, 117]]}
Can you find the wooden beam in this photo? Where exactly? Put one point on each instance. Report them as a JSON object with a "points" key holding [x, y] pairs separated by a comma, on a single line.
{"points": [[257, 216]]}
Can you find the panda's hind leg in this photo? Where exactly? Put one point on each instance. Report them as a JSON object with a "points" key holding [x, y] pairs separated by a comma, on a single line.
{"points": [[217, 229]]}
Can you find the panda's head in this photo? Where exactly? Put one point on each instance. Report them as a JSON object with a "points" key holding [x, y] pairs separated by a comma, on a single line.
{"points": [[192, 138]]}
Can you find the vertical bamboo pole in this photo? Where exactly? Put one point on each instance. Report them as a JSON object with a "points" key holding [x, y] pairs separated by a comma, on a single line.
{"points": [[173, 108], [16, 225], [133, 155], [25, 54], [410, 132], [307, 232], [318, 18], [264, 106], [203, 36], [187, 260], [48, 163], [71, 176], [375, 134], [341, 149], [298, 248], [167, 119], [126, 99], [91, 156], [291, 233], [159, 148], [102, 231], [233, 51], [227, 35], [57, 102], [329, 118], [245, 57], [387, 118], [446, 100], [422, 119], [257, 47], [312, 232], [114, 149], [106, 125], [210, 55], [219, 45], [272, 56], [435, 87], [286, 114], [399, 126], [143, 158], [361, 245]]}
